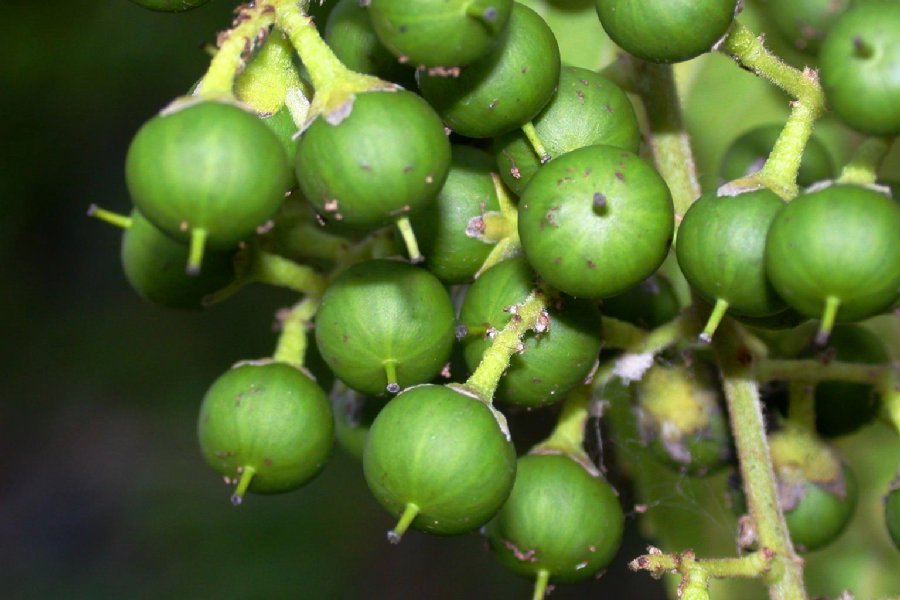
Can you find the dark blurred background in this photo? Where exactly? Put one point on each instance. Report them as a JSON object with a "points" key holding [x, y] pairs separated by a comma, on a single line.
{"points": [[104, 493]]}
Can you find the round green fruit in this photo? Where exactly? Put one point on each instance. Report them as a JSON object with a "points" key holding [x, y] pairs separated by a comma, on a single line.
{"points": [[804, 23], [350, 36], [209, 172], [649, 304], [835, 254], [843, 407], [596, 221], [860, 67], [384, 325], [387, 158], [444, 227], [666, 31], [439, 33], [438, 459], [553, 362], [506, 88], [748, 153], [560, 522], [267, 426], [721, 251], [154, 266], [170, 5], [587, 109]]}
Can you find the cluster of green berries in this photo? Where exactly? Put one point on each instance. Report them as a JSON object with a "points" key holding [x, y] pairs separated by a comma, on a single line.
{"points": [[539, 193]]}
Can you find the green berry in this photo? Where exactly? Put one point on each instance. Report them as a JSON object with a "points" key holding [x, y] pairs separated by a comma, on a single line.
{"points": [[438, 459], [553, 362], [559, 520], [503, 90], [384, 325], [389, 157], [582, 214], [835, 254], [859, 72], [452, 251], [666, 31], [266, 426], [440, 33], [648, 304], [586, 109], [208, 172]]}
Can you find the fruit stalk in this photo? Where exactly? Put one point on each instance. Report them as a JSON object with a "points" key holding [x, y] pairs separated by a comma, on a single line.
{"points": [[748, 428], [769, 369], [780, 170], [669, 140], [568, 434], [295, 323], [530, 314], [235, 47], [862, 169], [659, 564]]}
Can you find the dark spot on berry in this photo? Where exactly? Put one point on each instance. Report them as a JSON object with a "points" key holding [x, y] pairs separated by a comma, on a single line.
{"points": [[408, 169], [557, 260], [620, 176], [591, 264], [599, 200], [267, 461]]}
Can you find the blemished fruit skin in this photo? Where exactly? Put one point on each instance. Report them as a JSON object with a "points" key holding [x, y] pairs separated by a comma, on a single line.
{"points": [[553, 362], [439, 33], [451, 254], [648, 304], [269, 416], [821, 515], [387, 158], [154, 266], [860, 67], [721, 250], [666, 31], [587, 109], [596, 221], [558, 518], [748, 153], [170, 5], [444, 452], [506, 88], [843, 407], [840, 241], [385, 310], [208, 165], [350, 36]]}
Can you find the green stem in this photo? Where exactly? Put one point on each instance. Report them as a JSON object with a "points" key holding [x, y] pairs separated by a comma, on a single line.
{"points": [[534, 139], [748, 428], [568, 434], [109, 217], [390, 374], [306, 240], [621, 335], [495, 360], [862, 169], [802, 404], [250, 24], [829, 314], [540, 584], [246, 472], [749, 566], [715, 318], [410, 512], [197, 249], [812, 371], [335, 85], [409, 238], [295, 325], [668, 135], [506, 248], [780, 171], [253, 265], [638, 354]]}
